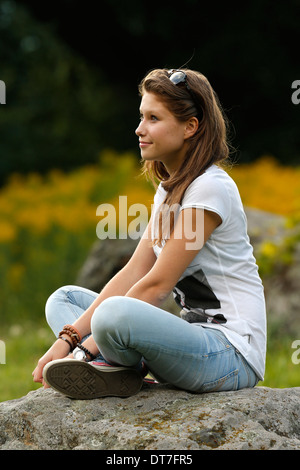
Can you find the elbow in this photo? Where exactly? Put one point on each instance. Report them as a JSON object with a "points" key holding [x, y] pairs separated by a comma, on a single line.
{"points": [[156, 295], [162, 294], [151, 292], [158, 289]]}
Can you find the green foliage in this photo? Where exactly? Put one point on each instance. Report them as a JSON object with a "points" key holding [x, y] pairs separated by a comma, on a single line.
{"points": [[72, 80], [25, 343], [281, 371], [58, 109], [275, 257], [47, 226]]}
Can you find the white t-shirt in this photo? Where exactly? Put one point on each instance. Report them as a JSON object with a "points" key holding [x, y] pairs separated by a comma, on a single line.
{"points": [[221, 288]]}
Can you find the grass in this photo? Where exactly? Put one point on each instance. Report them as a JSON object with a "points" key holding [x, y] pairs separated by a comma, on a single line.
{"points": [[25, 344], [281, 370]]}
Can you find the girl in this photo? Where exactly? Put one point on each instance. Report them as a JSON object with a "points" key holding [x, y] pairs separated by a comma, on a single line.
{"points": [[200, 250]]}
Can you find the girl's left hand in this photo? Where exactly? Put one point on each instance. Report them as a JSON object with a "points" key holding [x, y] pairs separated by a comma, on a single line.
{"points": [[58, 350]]}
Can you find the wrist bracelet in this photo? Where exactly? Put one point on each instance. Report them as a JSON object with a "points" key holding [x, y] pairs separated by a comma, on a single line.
{"points": [[72, 333], [86, 351], [67, 341]]}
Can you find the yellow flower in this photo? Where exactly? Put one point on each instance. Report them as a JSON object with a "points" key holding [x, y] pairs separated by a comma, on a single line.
{"points": [[7, 232], [15, 275], [268, 249], [268, 185]]}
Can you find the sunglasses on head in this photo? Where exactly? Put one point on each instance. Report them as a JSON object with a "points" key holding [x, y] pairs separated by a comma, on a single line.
{"points": [[179, 76]]}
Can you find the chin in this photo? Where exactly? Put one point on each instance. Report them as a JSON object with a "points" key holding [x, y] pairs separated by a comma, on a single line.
{"points": [[148, 158]]}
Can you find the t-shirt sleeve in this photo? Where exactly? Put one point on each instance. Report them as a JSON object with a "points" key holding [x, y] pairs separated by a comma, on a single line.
{"points": [[208, 192]]}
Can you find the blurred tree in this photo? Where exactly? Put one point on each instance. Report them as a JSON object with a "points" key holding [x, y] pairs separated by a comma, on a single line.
{"points": [[59, 111], [72, 73]]}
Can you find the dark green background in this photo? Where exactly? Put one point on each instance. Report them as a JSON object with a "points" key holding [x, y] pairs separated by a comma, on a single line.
{"points": [[72, 69]]}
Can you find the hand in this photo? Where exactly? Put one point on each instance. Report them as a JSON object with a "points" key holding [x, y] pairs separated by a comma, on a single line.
{"points": [[58, 350]]}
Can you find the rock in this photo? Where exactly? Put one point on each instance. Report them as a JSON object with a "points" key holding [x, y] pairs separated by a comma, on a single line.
{"points": [[283, 299], [105, 259], [264, 226], [157, 418], [282, 285]]}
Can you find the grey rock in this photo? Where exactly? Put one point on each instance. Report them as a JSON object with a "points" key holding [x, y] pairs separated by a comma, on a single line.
{"points": [[105, 259], [264, 226], [281, 286], [157, 418]]}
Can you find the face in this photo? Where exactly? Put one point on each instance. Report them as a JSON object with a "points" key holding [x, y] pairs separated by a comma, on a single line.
{"points": [[161, 136]]}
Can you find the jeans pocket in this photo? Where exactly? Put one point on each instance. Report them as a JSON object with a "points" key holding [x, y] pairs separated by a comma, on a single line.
{"points": [[226, 383]]}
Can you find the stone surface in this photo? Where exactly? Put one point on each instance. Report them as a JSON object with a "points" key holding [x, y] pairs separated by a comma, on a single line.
{"points": [[157, 418], [105, 259]]}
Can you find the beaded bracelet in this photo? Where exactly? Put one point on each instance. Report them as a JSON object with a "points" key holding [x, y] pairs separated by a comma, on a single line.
{"points": [[86, 351], [72, 333]]}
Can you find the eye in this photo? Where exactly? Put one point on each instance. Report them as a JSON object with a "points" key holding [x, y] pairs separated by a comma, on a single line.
{"points": [[154, 118]]}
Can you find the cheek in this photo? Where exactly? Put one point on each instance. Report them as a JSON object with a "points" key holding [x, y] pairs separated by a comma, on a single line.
{"points": [[170, 136], [175, 137]]}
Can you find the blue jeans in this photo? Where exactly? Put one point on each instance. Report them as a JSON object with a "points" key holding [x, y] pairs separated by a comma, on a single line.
{"points": [[128, 332]]}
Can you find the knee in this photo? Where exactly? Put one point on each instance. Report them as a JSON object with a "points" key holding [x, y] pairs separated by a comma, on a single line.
{"points": [[110, 316], [52, 305]]}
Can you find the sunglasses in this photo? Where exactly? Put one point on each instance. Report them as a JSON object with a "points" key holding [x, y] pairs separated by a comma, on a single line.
{"points": [[177, 77]]}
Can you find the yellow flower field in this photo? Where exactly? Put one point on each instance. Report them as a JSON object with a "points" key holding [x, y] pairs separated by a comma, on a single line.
{"points": [[48, 223], [269, 186], [38, 203]]}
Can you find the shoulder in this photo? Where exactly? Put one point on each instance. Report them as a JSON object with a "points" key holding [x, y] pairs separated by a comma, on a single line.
{"points": [[160, 194], [214, 190], [214, 183], [214, 177]]}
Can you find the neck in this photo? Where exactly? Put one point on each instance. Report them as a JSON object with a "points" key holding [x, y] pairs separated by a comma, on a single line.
{"points": [[175, 161]]}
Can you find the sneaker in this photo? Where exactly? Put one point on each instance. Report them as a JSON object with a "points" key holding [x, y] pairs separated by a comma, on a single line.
{"points": [[87, 380]]}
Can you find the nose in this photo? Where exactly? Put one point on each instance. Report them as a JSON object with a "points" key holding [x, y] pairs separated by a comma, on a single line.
{"points": [[139, 129]]}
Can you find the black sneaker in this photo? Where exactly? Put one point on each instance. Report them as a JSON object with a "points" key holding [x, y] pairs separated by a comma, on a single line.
{"points": [[86, 380]]}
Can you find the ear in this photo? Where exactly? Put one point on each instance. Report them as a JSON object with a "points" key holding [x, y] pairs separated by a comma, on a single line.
{"points": [[191, 127]]}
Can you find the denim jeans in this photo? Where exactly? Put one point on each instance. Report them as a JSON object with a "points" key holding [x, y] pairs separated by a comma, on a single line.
{"points": [[129, 331]]}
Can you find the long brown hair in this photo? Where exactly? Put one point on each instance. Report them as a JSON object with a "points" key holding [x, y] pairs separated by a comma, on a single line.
{"points": [[209, 145]]}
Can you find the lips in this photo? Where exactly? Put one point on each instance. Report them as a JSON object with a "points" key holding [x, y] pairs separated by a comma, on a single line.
{"points": [[144, 144]]}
